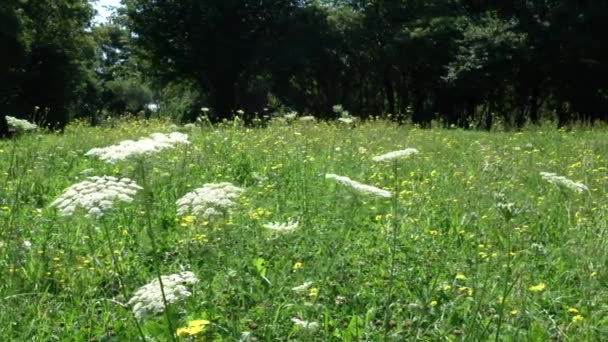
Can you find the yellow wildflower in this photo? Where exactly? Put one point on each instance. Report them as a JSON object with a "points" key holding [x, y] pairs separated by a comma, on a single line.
{"points": [[314, 292], [297, 266], [194, 328], [461, 276], [577, 318], [537, 288]]}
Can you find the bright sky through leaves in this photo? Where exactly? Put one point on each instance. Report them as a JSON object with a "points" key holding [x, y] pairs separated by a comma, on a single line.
{"points": [[101, 6]]}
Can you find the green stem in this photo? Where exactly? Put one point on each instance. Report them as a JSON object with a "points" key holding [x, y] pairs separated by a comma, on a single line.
{"points": [[148, 211]]}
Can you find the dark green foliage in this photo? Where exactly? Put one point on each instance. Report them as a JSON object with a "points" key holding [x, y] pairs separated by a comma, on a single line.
{"points": [[460, 62]]}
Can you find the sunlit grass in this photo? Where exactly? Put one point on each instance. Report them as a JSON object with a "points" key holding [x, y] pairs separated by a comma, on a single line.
{"points": [[485, 248]]}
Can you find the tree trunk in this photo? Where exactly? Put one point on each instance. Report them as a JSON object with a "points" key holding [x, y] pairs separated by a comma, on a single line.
{"points": [[3, 127], [390, 94]]}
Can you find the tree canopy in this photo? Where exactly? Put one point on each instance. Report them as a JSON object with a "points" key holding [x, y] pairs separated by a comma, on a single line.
{"points": [[461, 62]]}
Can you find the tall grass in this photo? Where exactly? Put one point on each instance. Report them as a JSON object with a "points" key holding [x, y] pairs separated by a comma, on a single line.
{"points": [[459, 253]]}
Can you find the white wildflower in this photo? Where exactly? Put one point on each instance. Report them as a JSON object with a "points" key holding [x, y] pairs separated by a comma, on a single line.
{"points": [[346, 120], [129, 148], [148, 300], [359, 186], [204, 109], [310, 326], [290, 116], [395, 155], [19, 124], [308, 118], [96, 195], [247, 336], [563, 181], [240, 112], [209, 201], [27, 244], [282, 227], [302, 288]]}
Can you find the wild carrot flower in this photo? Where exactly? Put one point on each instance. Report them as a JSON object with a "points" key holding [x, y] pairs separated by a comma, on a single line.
{"points": [[310, 326], [563, 181], [302, 288], [368, 189], [282, 227], [129, 148], [148, 300], [395, 155], [308, 118], [20, 125], [96, 195], [210, 201]]}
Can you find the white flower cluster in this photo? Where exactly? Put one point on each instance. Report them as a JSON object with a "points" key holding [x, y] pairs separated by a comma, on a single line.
{"points": [[148, 299], [308, 118], [395, 155], [563, 181], [368, 189], [310, 326], [282, 227], [302, 288], [20, 125], [96, 195], [210, 201], [129, 148]]}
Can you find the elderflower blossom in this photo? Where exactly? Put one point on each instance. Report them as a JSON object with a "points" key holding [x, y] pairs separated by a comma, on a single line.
{"points": [[282, 227], [148, 299], [129, 148], [19, 124], [209, 201], [310, 326], [96, 195], [563, 181], [395, 155], [359, 186]]}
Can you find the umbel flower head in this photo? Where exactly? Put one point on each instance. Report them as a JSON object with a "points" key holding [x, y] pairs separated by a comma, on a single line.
{"points": [[282, 227], [563, 181], [96, 195], [20, 125], [210, 201], [364, 188], [395, 155], [148, 299], [129, 148], [306, 325]]}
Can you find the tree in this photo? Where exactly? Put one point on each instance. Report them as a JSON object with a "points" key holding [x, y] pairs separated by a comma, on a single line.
{"points": [[214, 43], [10, 29]]}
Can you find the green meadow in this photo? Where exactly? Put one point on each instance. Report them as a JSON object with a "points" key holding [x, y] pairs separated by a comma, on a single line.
{"points": [[474, 245]]}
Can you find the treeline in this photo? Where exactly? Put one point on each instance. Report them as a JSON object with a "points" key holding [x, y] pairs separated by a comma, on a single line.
{"points": [[460, 62]]}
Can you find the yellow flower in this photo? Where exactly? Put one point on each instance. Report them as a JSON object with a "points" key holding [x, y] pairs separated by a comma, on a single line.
{"points": [[314, 292], [297, 266], [461, 276], [514, 312], [577, 318], [573, 310], [194, 328], [537, 288], [434, 303]]}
